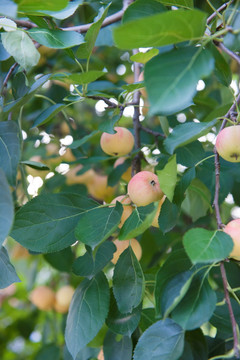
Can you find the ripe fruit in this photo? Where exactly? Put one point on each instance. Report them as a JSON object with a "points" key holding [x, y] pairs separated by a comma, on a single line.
{"points": [[144, 188], [63, 298], [155, 220], [73, 178], [99, 189], [127, 209], [233, 229], [126, 176], [43, 297], [119, 144], [228, 143], [123, 245]]}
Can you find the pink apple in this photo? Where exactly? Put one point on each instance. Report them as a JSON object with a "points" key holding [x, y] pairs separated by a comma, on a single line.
{"points": [[127, 208], [119, 144], [233, 229], [228, 143]]}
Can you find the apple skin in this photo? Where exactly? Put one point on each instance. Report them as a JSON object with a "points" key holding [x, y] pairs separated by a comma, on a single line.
{"points": [[122, 245], [119, 144], [99, 189], [43, 297], [126, 176], [63, 299], [228, 143], [155, 220], [233, 229], [127, 210], [144, 188], [85, 178]]}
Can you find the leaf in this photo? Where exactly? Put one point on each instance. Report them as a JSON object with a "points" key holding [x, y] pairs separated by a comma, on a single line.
{"points": [[115, 349], [84, 51], [222, 68], [105, 220], [128, 281], [19, 85], [190, 154], [66, 12], [186, 133], [168, 216], [197, 306], [61, 260], [197, 201], [8, 8], [182, 3], [84, 265], [123, 324], [77, 143], [231, 40], [204, 246], [117, 172], [35, 165], [170, 75], [47, 352], [168, 177], [196, 346], [174, 291], [56, 39], [51, 5], [183, 184], [8, 272], [48, 114], [19, 45], [103, 255], [6, 208], [139, 221], [86, 77], [142, 8], [170, 27], [176, 263], [163, 340], [9, 150], [47, 222], [144, 57], [87, 313]]}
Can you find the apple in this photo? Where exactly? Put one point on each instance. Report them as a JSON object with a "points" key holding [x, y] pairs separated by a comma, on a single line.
{"points": [[228, 143], [99, 189], [144, 188], [155, 220], [127, 209], [85, 178], [122, 245], [19, 252], [63, 298], [126, 176], [233, 229], [119, 144], [43, 297]]}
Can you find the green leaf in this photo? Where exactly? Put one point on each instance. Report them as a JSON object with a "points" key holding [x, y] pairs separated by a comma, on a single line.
{"points": [[56, 39], [163, 340], [48, 114], [168, 177], [84, 265], [67, 11], [103, 255], [51, 5], [8, 272], [222, 68], [9, 150], [19, 85], [117, 172], [174, 291], [47, 352], [87, 313], [19, 45], [47, 222], [35, 165], [204, 246], [61, 260], [183, 184], [197, 201], [6, 208], [86, 77], [128, 282], [115, 349], [231, 40], [190, 154], [144, 57], [142, 8], [8, 8], [105, 220], [195, 345], [180, 3], [77, 143], [84, 51], [197, 306], [170, 75], [123, 324], [186, 133], [168, 216], [176, 263], [139, 221], [170, 27]]}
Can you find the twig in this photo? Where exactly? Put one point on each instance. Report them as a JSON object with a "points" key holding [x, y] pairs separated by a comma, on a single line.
{"points": [[230, 309], [152, 132], [110, 104], [25, 24], [232, 54], [221, 8], [11, 70]]}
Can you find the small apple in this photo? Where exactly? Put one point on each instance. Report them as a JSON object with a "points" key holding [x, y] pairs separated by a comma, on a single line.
{"points": [[119, 144], [228, 143], [233, 229], [155, 220], [122, 245], [63, 299], [127, 209], [85, 178], [43, 297], [144, 188], [126, 176]]}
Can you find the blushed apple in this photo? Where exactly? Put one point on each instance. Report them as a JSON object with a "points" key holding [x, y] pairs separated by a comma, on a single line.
{"points": [[122, 245], [126, 176], [233, 229], [228, 143], [119, 144], [127, 208], [43, 297], [155, 220]]}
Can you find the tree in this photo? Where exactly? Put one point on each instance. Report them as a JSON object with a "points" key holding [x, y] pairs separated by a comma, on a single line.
{"points": [[168, 71]]}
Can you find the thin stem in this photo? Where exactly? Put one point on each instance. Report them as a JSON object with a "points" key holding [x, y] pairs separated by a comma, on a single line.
{"points": [[216, 13], [206, 158], [152, 132], [11, 70], [232, 54]]}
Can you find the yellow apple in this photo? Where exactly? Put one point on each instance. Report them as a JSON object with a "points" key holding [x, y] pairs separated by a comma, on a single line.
{"points": [[63, 298], [99, 189], [144, 188], [233, 229], [122, 245], [73, 178], [43, 297], [228, 143], [119, 144], [155, 220], [126, 176], [127, 209]]}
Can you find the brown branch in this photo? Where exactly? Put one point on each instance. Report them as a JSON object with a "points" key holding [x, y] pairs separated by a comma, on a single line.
{"points": [[221, 8], [25, 24], [152, 132], [232, 54], [11, 70]]}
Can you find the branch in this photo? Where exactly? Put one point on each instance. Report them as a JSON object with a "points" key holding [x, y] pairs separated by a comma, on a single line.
{"points": [[232, 54], [221, 8], [152, 132], [11, 70]]}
